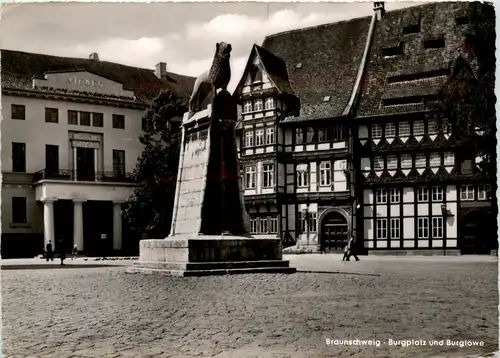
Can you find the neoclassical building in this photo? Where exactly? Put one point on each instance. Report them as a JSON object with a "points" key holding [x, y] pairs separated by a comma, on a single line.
{"points": [[70, 139], [335, 137]]}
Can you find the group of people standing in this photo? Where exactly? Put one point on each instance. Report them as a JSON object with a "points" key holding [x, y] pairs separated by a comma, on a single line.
{"points": [[349, 250], [49, 252]]}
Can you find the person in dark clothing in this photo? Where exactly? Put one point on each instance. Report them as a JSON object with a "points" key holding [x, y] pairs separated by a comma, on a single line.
{"points": [[346, 253], [322, 248], [48, 251], [352, 249], [62, 253]]}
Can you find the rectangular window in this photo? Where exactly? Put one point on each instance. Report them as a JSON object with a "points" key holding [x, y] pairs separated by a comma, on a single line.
{"points": [[51, 115], [437, 227], [311, 135], [404, 129], [423, 228], [249, 139], [253, 225], [119, 163], [19, 157], [449, 158], [395, 196], [325, 173], [323, 135], [268, 175], [392, 162], [406, 161], [432, 127], [250, 177], [381, 195], [84, 118], [420, 161], [247, 107], [378, 163], [482, 192], [259, 137], [467, 192], [338, 132], [270, 135], [19, 210], [418, 128], [302, 176], [299, 136], [302, 222], [18, 111], [390, 130], [313, 217], [423, 194], [52, 158], [376, 131], [435, 160], [269, 103], [434, 43], [381, 229], [257, 106], [72, 117], [394, 228], [97, 119], [119, 121], [274, 224], [263, 225], [437, 193]]}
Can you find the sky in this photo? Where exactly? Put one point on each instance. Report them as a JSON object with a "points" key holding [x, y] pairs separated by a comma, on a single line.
{"points": [[181, 34]]}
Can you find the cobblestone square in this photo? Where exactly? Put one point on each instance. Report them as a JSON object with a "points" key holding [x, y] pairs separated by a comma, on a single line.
{"points": [[105, 312]]}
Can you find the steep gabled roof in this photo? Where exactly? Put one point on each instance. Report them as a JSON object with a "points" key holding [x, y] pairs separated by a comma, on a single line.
{"points": [[322, 63], [19, 68]]}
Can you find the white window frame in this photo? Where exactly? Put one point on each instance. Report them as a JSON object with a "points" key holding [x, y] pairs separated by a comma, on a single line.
{"points": [[268, 175], [394, 195], [323, 135], [312, 221], [376, 131], [449, 158], [250, 177], [273, 229], [437, 193], [325, 173], [423, 194], [390, 130], [420, 161], [248, 139], [263, 225], [381, 232], [259, 137], [435, 160], [381, 196], [270, 135], [467, 194], [395, 228], [482, 192], [247, 107], [378, 163], [302, 176], [418, 128], [392, 162], [269, 103], [431, 126], [258, 105], [437, 227], [404, 129], [406, 161], [423, 227], [338, 132]]}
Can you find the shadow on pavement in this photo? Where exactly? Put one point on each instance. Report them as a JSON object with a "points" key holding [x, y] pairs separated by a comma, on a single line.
{"points": [[53, 266]]}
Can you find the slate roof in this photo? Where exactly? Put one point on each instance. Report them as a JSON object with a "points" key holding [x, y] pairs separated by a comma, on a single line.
{"points": [[19, 68], [418, 71], [321, 61]]}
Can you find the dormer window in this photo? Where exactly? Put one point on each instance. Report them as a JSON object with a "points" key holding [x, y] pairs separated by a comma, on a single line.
{"points": [[247, 107], [394, 50], [270, 103], [411, 29], [434, 43], [257, 106]]}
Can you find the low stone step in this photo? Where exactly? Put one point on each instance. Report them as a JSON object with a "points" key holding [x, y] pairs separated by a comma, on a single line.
{"points": [[211, 265]]}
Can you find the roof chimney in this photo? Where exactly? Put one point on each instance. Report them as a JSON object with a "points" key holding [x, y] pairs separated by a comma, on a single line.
{"points": [[379, 9], [94, 56], [161, 70]]}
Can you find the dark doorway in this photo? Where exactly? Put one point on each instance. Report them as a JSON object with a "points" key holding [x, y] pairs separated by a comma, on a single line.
{"points": [[98, 228], [63, 225], [478, 233], [334, 231], [85, 164], [51, 159]]}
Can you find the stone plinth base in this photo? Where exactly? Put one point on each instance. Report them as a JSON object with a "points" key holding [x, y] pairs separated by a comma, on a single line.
{"points": [[210, 255]]}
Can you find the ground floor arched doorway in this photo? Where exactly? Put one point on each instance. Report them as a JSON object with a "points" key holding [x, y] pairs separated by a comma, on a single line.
{"points": [[334, 231], [478, 233]]}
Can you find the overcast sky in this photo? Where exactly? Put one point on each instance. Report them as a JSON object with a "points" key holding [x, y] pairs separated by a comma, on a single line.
{"points": [[181, 34]]}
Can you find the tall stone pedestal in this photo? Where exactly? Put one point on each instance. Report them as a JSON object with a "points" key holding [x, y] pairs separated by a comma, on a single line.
{"points": [[209, 235]]}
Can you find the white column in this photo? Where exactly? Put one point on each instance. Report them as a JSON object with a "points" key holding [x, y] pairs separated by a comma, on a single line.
{"points": [[48, 222], [75, 158], [95, 164], [78, 223], [117, 225]]}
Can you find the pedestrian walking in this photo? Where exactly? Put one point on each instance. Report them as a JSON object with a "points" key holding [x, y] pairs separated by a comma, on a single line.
{"points": [[346, 253], [74, 252], [322, 248], [352, 249], [62, 253], [48, 251]]}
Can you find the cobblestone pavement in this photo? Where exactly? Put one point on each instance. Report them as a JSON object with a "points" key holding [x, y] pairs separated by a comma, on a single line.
{"points": [[104, 312]]}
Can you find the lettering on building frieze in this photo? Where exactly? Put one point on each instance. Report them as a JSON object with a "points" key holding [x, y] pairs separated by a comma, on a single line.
{"points": [[85, 82], [85, 144]]}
